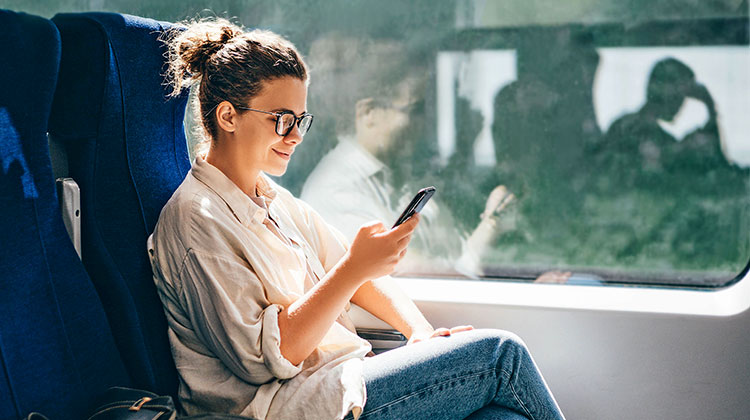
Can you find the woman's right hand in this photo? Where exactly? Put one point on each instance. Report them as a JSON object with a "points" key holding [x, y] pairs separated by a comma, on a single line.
{"points": [[375, 250]]}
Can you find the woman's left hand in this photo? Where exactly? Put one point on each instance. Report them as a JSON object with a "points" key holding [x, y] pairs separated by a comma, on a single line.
{"points": [[438, 332]]}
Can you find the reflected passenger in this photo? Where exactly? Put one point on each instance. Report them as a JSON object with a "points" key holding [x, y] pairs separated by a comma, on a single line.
{"points": [[352, 186], [256, 286], [544, 127], [638, 149], [361, 179], [466, 183], [696, 187]]}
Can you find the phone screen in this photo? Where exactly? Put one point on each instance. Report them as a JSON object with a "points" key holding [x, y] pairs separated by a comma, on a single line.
{"points": [[416, 204]]}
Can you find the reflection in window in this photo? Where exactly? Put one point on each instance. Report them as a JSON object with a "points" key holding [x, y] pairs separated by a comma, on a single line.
{"points": [[562, 156], [572, 142], [626, 158]]}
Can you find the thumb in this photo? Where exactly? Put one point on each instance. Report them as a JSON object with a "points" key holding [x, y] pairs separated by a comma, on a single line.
{"points": [[374, 226]]}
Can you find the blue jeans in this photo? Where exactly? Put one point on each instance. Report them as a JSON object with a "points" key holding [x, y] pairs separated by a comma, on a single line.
{"points": [[480, 374]]}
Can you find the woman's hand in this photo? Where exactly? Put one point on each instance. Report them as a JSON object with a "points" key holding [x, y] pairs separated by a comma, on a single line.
{"points": [[375, 250], [418, 336]]}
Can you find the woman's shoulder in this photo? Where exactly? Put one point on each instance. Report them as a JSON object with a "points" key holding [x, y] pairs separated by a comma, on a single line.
{"points": [[192, 214], [181, 203]]}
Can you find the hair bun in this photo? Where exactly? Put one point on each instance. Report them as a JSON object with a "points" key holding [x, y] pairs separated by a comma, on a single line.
{"points": [[200, 42], [191, 49]]}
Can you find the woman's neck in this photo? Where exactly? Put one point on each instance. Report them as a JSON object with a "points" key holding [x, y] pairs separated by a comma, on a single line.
{"points": [[230, 165]]}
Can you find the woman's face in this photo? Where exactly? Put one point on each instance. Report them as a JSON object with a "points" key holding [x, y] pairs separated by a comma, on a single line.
{"points": [[259, 145]]}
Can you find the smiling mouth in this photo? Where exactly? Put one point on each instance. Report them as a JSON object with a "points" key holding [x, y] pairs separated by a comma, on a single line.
{"points": [[283, 155]]}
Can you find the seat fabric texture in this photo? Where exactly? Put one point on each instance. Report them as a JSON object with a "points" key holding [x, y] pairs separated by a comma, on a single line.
{"points": [[127, 151], [57, 353]]}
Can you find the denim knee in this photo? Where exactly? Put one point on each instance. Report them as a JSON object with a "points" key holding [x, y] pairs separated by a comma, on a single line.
{"points": [[504, 338], [510, 338], [509, 350]]}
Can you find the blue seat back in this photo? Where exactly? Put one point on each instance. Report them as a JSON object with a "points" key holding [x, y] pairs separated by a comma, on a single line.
{"points": [[57, 353], [127, 151]]}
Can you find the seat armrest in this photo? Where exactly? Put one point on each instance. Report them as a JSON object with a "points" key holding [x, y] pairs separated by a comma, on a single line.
{"points": [[70, 205], [381, 336]]}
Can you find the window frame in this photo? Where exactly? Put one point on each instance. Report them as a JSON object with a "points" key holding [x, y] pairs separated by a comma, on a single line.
{"points": [[726, 301]]}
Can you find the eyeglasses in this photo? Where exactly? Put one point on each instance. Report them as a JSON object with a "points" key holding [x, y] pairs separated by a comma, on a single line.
{"points": [[286, 120]]}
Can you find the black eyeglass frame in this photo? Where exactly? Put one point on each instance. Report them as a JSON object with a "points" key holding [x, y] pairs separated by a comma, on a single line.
{"points": [[278, 115]]}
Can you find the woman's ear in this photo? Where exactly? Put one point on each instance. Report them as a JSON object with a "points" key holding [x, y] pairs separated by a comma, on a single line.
{"points": [[226, 117]]}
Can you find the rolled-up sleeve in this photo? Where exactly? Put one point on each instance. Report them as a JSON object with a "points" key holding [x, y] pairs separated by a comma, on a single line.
{"points": [[226, 304], [276, 363]]}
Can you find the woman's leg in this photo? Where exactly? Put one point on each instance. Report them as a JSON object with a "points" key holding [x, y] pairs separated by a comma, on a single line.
{"points": [[453, 377], [495, 412]]}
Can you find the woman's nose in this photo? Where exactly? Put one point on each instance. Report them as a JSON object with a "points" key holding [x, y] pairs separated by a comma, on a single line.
{"points": [[294, 136]]}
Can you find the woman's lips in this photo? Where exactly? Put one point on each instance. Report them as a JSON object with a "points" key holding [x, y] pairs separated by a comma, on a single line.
{"points": [[283, 155]]}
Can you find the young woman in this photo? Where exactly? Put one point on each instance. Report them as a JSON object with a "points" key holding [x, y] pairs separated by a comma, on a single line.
{"points": [[256, 286]]}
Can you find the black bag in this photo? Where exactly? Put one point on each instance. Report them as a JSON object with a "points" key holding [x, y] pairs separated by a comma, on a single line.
{"points": [[134, 404], [120, 403]]}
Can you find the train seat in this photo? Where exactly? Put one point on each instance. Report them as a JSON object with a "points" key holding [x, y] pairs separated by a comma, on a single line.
{"points": [[56, 350], [127, 151]]}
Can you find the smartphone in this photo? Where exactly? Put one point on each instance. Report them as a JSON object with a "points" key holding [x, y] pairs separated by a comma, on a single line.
{"points": [[416, 204]]}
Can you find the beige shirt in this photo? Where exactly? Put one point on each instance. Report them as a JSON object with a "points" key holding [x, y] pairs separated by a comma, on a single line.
{"points": [[224, 271]]}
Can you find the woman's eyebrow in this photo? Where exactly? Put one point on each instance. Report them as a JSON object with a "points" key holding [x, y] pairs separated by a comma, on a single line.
{"points": [[288, 110]]}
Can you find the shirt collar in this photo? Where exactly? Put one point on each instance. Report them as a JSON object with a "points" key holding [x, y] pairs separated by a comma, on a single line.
{"points": [[350, 153], [244, 208]]}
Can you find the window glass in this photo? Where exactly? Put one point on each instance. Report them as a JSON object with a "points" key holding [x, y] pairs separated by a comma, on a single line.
{"points": [[622, 129], [580, 142]]}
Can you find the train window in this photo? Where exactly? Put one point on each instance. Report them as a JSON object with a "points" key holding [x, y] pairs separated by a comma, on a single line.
{"points": [[570, 142], [622, 135]]}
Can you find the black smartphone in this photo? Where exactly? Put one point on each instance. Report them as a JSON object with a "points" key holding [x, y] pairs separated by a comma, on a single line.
{"points": [[416, 204]]}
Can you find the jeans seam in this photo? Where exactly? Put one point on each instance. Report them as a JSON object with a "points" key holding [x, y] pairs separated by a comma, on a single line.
{"points": [[411, 394], [518, 399]]}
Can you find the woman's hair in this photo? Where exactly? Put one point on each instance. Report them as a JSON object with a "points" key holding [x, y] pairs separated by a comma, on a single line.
{"points": [[227, 64]]}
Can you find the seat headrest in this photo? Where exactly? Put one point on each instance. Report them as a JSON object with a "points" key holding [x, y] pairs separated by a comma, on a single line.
{"points": [[31, 55], [78, 101], [101, 45], [112, 80]]}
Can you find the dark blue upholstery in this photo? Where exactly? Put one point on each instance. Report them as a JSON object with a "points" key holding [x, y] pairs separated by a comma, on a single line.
{"points": [[127, 151], [56, 350]]}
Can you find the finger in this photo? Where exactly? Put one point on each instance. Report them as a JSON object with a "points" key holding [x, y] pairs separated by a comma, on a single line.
{"points": [[374, 226], [401, 248], [407, 227], [461, 328], [441, 332], [506, 200], [403, 242]]}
